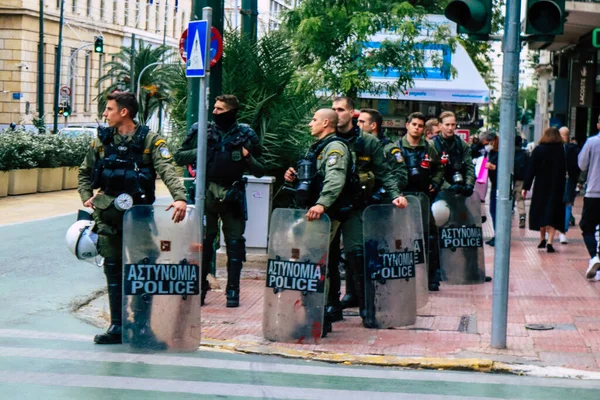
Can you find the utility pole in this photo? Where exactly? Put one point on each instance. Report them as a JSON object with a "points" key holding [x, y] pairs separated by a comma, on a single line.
{"points": [[164, 43], [40, 96], [511, 47], [249, 18], [58, 61]]}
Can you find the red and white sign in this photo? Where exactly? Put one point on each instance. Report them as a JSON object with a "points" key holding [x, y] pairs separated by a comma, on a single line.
{"points": [[65, 91], [463, 133], [216, 46]]}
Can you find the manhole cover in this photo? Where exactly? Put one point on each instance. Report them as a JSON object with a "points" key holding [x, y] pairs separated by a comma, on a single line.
{"points": [[539, 327]]}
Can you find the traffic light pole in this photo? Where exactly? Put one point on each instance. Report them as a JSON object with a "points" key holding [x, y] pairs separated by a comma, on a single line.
{"points": [[511, 47], [58, 61]]}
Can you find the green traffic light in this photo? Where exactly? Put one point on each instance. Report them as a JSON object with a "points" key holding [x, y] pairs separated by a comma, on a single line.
{"points": [[596, 38], [99, 44]]}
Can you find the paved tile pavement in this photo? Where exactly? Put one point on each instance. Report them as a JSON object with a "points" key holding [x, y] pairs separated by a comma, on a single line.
{"points": [[544, 289]]}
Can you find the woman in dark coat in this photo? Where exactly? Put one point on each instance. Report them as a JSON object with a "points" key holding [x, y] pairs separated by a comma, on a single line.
{"points": [[548, 168]]}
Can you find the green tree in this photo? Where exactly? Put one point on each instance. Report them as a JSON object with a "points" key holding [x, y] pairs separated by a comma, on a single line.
{"points": [[528, 97], [155, 84], [493, 116], [329, 36]]}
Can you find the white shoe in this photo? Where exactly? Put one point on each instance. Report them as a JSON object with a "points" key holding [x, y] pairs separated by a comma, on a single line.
{"points": [[593, 267], [562, 238], [597, 277], [546, 236]]}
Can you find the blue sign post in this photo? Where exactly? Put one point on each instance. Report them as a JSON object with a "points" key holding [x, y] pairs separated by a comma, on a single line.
{"points": [[196, 49]]}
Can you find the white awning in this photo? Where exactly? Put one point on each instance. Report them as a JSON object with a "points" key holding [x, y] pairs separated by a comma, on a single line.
{"points": [[466, 87]]}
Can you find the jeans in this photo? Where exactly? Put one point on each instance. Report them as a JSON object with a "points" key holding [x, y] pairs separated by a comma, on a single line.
{"points": [[568, 213]]}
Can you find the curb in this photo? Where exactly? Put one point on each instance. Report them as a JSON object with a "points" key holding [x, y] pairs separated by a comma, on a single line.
{"points": [[455, 364]]}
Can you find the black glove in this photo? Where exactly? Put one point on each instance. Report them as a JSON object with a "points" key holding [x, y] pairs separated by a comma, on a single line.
{"points": [[457, 188], [467, 190]]}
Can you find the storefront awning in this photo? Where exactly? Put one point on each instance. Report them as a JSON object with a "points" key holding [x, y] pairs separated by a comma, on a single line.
{"points": [[466, 87]]}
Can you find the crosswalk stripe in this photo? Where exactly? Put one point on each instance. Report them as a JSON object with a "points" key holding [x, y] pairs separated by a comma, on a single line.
{"points": [[210, 388], [312, 369]]}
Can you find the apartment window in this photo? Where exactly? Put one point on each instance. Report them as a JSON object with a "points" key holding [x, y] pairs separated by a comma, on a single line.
{"points": [[74, 6], [58, 2], [115, 10], [182, 21], [146, 15], [157, 25], [137, 13], [88, 8], [72, 78], [87, 93], [101, 9]]}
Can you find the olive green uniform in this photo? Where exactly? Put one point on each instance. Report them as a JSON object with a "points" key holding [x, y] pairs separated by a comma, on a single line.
{"points": [[225, 194], [420, 181], [151, 156], [391, 152], [109, 221], [460, 159]]}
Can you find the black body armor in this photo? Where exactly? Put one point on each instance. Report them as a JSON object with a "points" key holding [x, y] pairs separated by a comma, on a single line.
{"points": [[451, 159], [419, 177], [225, 159], [122, 170]]}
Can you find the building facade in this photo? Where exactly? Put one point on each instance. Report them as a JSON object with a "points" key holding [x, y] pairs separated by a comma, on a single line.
{"points": [[569, 74], [115, 20]]}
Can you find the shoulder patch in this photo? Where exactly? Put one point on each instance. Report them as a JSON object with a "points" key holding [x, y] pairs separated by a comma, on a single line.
{"points": [[159, 142], [335, 152], [397, 153], [146, 151], [333, 158], [364, 158], [164, 152]]}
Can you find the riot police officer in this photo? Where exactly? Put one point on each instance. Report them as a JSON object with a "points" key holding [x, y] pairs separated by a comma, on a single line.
{"points": [[325, 174], [425, 175], [122, 163], [232, 149], [371, 165], [455, 156]]}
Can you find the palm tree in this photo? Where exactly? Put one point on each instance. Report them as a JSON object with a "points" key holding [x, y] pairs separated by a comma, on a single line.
{"points": [[154, 83]]}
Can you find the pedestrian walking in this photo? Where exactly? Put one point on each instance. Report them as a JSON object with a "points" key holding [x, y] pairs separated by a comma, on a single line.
{"points": [[572, 152], [232, 149], [123, 159], [521, 164], [589, 162], [547, 172], [490, 141]]}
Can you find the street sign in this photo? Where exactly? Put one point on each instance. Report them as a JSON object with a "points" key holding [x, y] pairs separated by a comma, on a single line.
{"points": [[65, 91], [463, 133], [196, 49], [216, 46]]}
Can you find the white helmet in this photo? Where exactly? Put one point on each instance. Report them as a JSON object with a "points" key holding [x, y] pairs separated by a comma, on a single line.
{"points": [[441, 212], [81, 241]]}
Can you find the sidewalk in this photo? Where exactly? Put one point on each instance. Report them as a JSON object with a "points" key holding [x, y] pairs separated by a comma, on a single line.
{"points": [[454, 326]]}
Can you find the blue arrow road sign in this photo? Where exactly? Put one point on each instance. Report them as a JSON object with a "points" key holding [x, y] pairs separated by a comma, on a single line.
{"points": [[196, 49]]}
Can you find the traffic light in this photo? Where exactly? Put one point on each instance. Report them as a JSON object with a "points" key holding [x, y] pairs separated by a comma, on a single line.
{"points": [[545, 17], [596, 38], [473, 17], [64, 110], [98, 44]]}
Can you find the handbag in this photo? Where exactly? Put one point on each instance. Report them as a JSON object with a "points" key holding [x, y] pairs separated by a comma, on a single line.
{"points": [[482, 171]]}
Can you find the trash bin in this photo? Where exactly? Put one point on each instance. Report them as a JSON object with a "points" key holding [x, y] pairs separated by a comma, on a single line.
{"points": [[259, 193]]}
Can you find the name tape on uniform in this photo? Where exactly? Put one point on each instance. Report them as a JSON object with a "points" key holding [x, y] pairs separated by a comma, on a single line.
{"points": [[463, 237], [295, 275], [397, 265], [161, 279]]}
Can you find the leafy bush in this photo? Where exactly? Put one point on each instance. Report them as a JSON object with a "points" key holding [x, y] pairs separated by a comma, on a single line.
{"points": [[22, 150], [73, 150], [18, 150]]}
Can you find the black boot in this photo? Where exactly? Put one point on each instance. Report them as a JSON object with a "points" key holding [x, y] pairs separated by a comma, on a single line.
{"points": [[434, 276], [236, 255], [350, 299], [207, 259], [333, 310], [114, 280]]}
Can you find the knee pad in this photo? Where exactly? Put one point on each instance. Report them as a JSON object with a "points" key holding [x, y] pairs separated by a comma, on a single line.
{"points": [[236, 249]]}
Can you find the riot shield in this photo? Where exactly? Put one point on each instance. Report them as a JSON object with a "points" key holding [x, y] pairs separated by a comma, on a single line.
{"points": [[390, 235], [161, 275], [460, 238], [422, 250], [294, 301]]}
